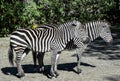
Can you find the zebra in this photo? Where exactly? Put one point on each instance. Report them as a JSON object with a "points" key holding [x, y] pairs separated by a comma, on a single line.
{"points": [[94, 30], [44, 39]]}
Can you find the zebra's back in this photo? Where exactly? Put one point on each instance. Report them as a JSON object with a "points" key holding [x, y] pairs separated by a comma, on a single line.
{"points": [[34, 39]]}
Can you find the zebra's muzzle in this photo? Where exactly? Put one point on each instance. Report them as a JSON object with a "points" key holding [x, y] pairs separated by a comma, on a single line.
{"points": [[110, 43], [87, 40]]}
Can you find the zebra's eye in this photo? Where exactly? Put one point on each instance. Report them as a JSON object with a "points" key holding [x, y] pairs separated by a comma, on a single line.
{"points": [[104, 26], [81, 30], [107, 31], [74, 25]]}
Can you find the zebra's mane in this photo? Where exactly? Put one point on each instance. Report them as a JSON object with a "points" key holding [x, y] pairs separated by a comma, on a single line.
{"points": [[98, 22], [65, 24], [95, 21]]}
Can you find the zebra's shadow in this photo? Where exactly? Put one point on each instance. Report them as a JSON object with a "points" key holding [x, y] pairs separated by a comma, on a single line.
{"points": [[13, 70], [30, 68]]}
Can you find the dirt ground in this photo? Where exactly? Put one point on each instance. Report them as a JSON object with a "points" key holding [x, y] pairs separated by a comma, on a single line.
{"points": [[99, 63]]}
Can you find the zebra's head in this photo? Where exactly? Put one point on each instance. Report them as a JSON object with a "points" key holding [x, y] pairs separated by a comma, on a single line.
{"points": [[105, 32], [80, 31]]}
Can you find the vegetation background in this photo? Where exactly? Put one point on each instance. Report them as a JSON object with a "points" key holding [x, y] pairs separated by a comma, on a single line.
{"points": [[25, 13]]}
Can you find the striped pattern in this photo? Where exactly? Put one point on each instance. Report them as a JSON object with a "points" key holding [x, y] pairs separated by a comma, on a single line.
{"points": [[94, 30], [43, 39], [97, 29], [33, 39]]}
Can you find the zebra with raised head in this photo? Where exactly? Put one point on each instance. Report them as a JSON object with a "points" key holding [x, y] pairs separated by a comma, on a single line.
{"points": [[42, 40], [94, 30]]}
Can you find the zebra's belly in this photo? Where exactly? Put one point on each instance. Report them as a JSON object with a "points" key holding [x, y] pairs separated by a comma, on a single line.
{"points": [[41, 48]]}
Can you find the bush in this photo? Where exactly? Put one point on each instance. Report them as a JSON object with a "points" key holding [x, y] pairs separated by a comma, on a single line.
{"points": [[57, 11], [16, 14], [23, 13]]}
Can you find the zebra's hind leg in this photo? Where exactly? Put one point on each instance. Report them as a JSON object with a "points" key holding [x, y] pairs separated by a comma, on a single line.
{"points": [[34, 60], [19, 57], [40, 57], [19, 67]]}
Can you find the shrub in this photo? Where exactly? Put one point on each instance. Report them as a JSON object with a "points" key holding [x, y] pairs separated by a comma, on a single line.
{"points": [[17, 14], [57, 11], [23, 13]]}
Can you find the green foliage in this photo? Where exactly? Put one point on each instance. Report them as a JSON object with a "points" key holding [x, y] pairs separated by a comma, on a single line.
{"points": [[57, 11], [22, 14], [17, 14]]}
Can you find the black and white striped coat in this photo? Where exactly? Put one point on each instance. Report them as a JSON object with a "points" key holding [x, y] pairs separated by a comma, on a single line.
{"points": [[94, 30], [97, 29], [46, 38]]}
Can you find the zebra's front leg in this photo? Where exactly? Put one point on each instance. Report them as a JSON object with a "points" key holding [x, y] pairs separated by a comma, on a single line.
{"points": [[54, 61], [40, 57], [79, 52]]}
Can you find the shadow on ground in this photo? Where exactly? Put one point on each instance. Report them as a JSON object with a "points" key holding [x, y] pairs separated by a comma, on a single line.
{"points": [[99, 48], [31, 69], [102, 50], [113, 78]]}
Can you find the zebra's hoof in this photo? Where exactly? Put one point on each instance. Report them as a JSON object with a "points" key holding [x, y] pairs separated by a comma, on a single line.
{"points": [[20, 75], [53, 75], [56, 74], [41, 69], [79, 71], [50, 76]]}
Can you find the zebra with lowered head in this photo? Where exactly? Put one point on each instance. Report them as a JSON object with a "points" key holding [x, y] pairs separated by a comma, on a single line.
{"points": [[42, 40], [94, 30]]}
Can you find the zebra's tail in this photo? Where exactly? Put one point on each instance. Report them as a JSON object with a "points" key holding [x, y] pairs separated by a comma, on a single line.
{"points": [[10, 55]]}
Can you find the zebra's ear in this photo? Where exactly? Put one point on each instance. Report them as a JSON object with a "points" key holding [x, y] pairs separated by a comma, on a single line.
{"points": [[77, 28], [74, 23]]}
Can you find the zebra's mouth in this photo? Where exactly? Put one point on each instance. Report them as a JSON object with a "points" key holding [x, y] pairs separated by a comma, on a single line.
{"points": [[110, 43], [87, 40]]}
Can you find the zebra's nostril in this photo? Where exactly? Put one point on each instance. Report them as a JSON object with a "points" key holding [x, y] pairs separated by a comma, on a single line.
{"points": [[109, 44], [111, 41], [87, 40]]}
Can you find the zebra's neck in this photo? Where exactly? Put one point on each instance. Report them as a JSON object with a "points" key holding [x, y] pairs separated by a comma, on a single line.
{"points": [[93, 29], [65, 33]]}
